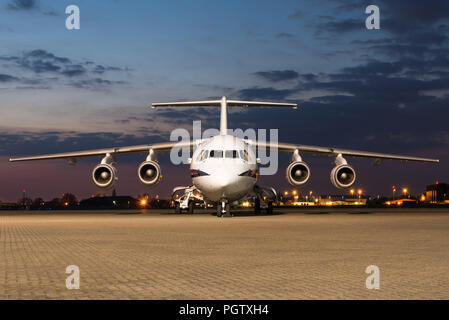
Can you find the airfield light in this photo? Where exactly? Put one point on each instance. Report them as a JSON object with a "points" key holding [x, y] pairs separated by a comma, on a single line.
{"points": [[294, 192], [66, 204], [143, 202], [286, 193], [423, 198], [352, 192], [404, 191]]}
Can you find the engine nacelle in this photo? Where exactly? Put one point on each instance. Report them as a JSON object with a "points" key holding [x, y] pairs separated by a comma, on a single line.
{"points": [[298, 173], [149, 173], [343, 176], [104, 176]]}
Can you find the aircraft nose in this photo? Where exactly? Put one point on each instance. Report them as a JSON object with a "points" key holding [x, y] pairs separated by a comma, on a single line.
{"points": [[226, 179]]}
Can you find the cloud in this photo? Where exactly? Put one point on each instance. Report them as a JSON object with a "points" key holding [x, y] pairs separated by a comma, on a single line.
{"points": [[417, 10], [341, 26], [95, 84], [264, 93], [7, 78], [41, 63], [284, 35], [277, 75], [298, 14], [43, 142], [27, 5], [101, 69], [402, 100]]}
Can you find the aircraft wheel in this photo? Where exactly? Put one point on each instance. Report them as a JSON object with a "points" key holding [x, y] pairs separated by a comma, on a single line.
{"points": [[191, 205], [219, 210], [257, 206], [228, 210], [177, 208], [270, 208]]}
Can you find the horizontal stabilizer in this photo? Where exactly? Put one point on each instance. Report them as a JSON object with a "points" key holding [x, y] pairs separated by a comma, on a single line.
{"points": [[223, 104]]}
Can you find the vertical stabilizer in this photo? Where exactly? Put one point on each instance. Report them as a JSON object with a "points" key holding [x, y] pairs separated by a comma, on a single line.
{"points": [[223, 116]]}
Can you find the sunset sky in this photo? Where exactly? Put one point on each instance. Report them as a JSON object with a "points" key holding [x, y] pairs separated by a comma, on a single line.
{"points": [[381, 90]]}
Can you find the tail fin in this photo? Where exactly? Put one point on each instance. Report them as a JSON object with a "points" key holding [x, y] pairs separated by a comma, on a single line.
{"points": [[224, 103]]}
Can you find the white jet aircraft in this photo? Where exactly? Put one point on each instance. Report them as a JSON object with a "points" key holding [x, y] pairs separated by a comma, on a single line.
{"points": [[223, 168]]}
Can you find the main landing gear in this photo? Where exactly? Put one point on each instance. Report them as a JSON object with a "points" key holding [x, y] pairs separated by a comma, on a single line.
{"points": [[264, 199], [260, 205]]}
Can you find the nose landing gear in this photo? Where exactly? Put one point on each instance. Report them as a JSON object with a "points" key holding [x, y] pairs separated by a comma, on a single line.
{"points": [[223, 209]]}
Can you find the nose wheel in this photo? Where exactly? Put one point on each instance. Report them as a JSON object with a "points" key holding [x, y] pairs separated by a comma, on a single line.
{"points": [[223, 209]]}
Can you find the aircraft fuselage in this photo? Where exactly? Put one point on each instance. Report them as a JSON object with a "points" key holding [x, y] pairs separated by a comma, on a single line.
{"points": [[224, 168]]}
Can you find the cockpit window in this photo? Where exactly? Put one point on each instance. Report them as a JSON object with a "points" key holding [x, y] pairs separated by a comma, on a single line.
{"points": [[233, 154], [216, 153], [244, 155], [203, 155]]}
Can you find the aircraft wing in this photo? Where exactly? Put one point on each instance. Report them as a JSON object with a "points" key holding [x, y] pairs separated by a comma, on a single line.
{"points": [[142, 149], [328, 151]]}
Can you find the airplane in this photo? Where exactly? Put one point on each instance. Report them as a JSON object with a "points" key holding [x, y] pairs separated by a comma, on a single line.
{"points": [[223, 168]]}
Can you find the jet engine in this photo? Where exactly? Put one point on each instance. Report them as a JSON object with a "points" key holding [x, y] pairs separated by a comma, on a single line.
{"points": [[343, 175], [149, 173], [104, 175], [298, 173]]}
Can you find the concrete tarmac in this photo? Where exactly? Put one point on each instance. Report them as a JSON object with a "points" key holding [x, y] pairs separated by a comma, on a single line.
{"points": [[294, 254]]}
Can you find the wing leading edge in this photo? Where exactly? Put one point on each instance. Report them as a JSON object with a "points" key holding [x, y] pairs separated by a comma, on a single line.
{"points": [[157, 147], [328, 151]]}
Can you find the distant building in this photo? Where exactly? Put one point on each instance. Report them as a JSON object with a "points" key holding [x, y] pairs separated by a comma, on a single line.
{"points": [[118, 202], [341, 200], [437, 193], [402, 202]]}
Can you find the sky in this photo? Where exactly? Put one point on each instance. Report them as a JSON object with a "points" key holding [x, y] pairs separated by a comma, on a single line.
{"points": [[64, 90]]}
